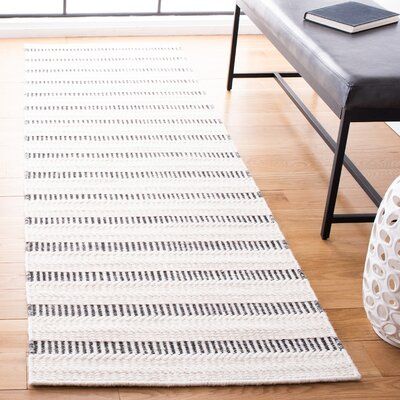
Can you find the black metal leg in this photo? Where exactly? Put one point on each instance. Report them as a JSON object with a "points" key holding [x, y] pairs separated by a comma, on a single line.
{"points": [[233, 47], [335, 176], [338, 147]]}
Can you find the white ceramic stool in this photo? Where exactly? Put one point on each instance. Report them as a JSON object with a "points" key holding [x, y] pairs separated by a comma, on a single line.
{"points": [[381, 282]]}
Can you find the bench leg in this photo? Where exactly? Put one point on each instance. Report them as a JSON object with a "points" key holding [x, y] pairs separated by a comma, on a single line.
{"points": [[233, 47], [335, 176]]}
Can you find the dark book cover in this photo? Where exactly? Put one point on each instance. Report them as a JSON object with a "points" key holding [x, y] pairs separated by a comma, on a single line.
{"points": [[352, 13]]}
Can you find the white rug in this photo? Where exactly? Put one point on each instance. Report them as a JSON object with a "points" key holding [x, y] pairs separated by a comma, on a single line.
{"points": [[151, 257]]}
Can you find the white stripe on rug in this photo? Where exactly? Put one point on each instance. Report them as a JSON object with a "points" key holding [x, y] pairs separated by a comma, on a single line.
{"points": [[151, 256]]}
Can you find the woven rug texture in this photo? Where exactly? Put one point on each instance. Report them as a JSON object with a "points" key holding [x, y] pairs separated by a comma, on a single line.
{"points": [[151, 256]]}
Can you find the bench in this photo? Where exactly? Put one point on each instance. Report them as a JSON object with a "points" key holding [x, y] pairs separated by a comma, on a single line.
{"points": [[357, 76]]}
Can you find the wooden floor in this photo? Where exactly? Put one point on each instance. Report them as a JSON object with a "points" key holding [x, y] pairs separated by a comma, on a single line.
{"points": [[291, 166]]}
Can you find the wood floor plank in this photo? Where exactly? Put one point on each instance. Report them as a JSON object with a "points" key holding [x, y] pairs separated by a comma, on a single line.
{"points": [[12, 207], [385, 357], [13, 336], [60, 394], [320, 179], [361, 358], [15, 99], [370, 388], [296, 198], [351, 325], [12, 371], [14, 269], [12, 281], [12, 304]]}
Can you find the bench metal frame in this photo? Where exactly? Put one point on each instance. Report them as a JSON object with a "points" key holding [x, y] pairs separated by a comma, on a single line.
{"points": [[338, 148]]}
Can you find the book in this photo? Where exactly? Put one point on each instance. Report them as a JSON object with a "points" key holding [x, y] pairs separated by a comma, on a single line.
{"points": [[351, 17]]}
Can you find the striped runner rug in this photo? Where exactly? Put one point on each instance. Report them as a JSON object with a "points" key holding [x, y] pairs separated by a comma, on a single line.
{"points": [[151, 256]]}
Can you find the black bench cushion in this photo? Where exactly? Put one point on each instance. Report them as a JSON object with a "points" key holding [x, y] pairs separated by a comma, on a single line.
{"points": [[355, 71]]}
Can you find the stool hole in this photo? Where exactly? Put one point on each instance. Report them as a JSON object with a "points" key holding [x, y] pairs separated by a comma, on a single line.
{"points": [[390, 300], [369, 301], [392, 283], [385, 236], [396, 318], [378, 270], [382, 253], [375, 287], [392, 219], [389, 329], [371, 248], [395, 264], [397, 248], [382, 312]]}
